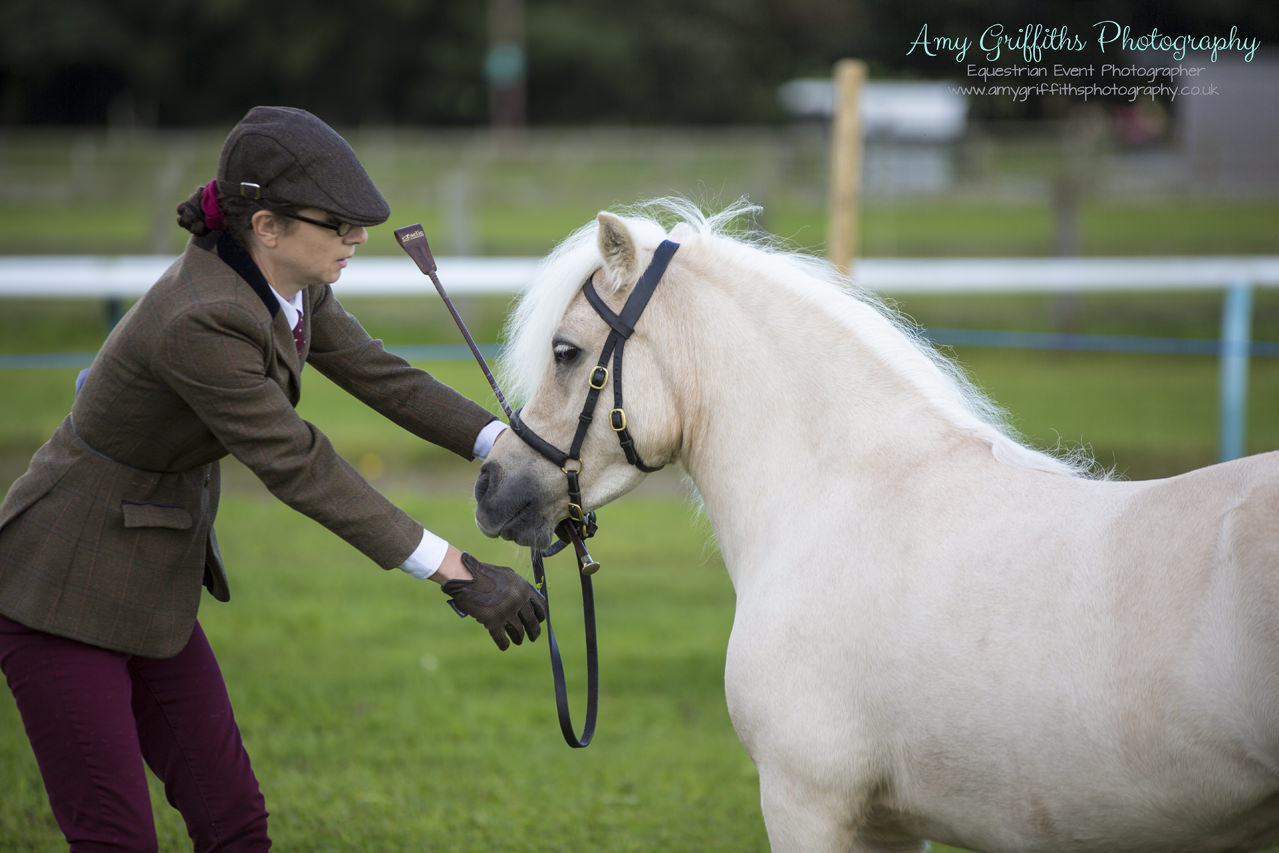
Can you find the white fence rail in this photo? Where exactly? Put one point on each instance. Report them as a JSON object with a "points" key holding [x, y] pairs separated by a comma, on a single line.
{"points": [[129, 276], [126, 277]]}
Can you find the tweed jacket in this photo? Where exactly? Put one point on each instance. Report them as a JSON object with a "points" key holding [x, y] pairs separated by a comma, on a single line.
{"points": [[108, 536]]}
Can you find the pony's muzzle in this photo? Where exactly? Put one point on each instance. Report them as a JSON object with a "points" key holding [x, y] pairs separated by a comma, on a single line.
{"points": [[506, 506]]}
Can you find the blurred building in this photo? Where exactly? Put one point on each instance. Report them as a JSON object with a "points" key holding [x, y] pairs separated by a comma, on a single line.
{"points": [[1218, 134], [912, 130], [1228, 131]]}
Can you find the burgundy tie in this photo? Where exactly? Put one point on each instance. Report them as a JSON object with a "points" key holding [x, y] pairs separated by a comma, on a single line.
{"points": [[299, 337]]}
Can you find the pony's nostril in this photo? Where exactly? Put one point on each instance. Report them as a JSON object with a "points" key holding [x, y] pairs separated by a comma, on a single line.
{"points": [[489, 473]]}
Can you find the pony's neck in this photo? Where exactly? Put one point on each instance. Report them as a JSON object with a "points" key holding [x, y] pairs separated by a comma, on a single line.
{"points": [[793, 402]]}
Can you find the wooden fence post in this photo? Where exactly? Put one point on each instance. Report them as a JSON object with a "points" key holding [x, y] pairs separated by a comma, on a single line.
{"points": [[846, 163]]}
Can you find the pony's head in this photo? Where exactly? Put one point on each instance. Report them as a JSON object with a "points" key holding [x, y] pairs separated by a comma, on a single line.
{"points": [[564, 343]]}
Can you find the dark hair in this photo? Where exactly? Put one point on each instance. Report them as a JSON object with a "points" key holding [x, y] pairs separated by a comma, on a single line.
{"points": [[236, 210]]}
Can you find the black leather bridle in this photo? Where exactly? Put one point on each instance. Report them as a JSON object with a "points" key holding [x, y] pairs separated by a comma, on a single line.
{"points": [[581, 525], [621, 327]]}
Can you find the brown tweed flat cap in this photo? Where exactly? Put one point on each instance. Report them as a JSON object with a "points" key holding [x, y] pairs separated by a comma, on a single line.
{"points": [[284, 154]]}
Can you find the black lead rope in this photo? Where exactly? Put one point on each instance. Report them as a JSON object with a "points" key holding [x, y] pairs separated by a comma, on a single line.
{"points": [[413, 240], [557, 665]]}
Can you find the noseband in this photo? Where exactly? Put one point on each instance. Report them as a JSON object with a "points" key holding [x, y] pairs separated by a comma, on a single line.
{"points": [[621, 326]]}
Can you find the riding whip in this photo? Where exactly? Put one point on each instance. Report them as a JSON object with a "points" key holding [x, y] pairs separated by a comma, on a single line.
{"points": [[413, 240]]}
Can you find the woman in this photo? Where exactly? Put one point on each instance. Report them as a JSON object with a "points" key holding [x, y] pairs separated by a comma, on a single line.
{"points": [[106, 540]]}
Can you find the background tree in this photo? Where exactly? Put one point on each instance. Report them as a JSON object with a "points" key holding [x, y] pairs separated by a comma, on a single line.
{"points": [[192, 62]]}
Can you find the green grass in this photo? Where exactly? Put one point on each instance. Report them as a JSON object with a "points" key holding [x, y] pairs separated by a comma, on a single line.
{"points": [[1143, 416], [379, 721], [91, 192], [389, 724], [980, 227]]}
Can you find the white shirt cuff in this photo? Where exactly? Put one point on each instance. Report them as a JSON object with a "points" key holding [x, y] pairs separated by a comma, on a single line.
{"points": [[424, 561], [485, 440]]}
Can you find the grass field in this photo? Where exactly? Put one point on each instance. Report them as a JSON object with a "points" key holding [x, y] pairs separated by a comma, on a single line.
{"points": [[377, 720], [94, 192]]}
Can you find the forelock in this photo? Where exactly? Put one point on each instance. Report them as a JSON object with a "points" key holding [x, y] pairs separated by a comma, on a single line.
{"points": [[558, 278]]}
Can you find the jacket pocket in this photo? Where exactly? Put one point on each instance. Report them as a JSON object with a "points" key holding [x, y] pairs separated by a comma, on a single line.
{"points": [[142, 514]]}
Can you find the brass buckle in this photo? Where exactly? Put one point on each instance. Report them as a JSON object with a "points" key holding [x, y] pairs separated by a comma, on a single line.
{"points": [[599, 377], [617, 419], [575, 513]]}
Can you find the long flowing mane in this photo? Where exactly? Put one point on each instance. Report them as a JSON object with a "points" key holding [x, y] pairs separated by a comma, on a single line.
{"points": [[560, 275]]}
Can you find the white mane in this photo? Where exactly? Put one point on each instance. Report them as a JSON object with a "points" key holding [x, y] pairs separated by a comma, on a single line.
{"points": [[560, 275]]}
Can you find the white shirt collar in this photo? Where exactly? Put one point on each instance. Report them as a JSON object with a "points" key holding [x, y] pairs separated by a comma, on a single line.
{"points": [[292, 307]]}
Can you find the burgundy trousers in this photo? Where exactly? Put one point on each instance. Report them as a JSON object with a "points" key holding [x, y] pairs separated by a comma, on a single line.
{"points": [[93, 716]]}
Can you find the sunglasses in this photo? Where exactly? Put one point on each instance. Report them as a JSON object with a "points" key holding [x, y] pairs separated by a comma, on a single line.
{"points": [[342, 228]]}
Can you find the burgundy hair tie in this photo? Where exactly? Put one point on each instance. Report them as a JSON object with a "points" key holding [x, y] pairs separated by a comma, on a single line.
{"points": [[209, 204]]}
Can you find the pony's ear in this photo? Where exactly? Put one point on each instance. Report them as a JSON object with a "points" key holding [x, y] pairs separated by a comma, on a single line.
{"points": [[621, 265]]}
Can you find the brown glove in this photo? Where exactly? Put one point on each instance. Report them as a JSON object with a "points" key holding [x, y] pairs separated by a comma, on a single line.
{"points": [[500, 599]]}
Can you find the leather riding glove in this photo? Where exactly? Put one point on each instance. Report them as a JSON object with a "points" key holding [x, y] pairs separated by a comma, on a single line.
{"points": [[500, 599]]}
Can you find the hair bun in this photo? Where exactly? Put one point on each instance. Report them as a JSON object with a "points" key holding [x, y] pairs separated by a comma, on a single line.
{"points": [[191, 214]]}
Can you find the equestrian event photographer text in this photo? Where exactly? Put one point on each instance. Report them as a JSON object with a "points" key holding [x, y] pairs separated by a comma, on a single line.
{"points": [[1033, 40]]}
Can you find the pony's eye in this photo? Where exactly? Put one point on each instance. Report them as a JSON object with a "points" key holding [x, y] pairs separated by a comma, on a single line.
{"points": [[565, 353]]}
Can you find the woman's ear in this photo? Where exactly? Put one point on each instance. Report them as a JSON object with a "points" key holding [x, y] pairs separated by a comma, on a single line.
{"points": [[266, 227]]}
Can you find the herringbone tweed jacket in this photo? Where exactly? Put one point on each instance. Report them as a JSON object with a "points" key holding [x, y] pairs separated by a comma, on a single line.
{"points": [[108, 536]]}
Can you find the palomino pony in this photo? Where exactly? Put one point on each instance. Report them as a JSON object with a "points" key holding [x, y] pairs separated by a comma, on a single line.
{"points": [[940, 633]]}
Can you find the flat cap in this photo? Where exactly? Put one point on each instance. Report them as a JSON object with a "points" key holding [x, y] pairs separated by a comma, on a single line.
{"points": [[285, 154]]}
